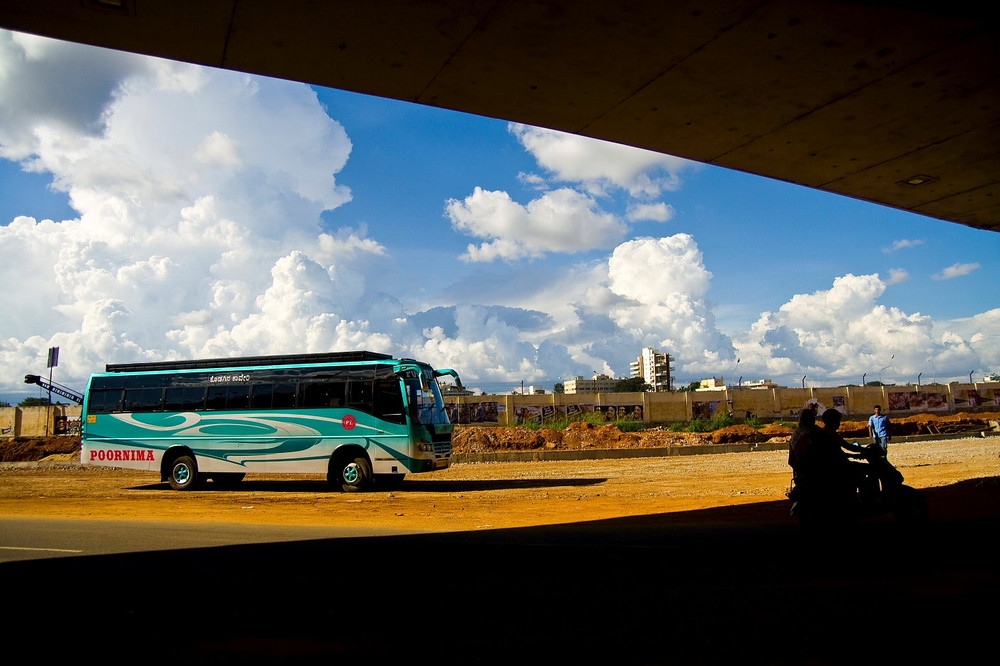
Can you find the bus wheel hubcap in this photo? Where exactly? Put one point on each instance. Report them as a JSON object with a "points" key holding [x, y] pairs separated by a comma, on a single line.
{"points": [[351, 473], [182, 473]]}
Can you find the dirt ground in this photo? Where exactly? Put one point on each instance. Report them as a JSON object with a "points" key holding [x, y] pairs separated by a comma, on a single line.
{"points": [[470, 496]]}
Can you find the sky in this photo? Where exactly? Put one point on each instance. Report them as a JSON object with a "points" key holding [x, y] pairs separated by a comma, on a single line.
{"points": [[157, 210]]}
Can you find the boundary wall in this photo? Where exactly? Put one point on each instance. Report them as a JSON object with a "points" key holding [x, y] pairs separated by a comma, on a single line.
{"points": [[651, 408], [856, 402], [39, 421]]}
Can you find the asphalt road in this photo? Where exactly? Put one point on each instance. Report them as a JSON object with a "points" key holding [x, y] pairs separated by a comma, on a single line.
{"points": [[706, 587], [29, 539]]}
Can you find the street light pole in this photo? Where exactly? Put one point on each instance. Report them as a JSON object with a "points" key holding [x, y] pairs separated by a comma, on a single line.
{"points": [[888, 366]]}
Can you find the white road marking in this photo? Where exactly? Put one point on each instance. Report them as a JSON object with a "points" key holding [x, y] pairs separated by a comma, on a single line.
{"points": [[47, 550]]}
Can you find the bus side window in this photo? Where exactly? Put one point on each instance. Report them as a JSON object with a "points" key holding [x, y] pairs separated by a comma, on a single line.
{"points": [[184, 399], [238, 396], [319, 394], [262, 396], [228, 397], [104, 401], [359, 395], [216, 398], [144, 400], [388, 400], [284, 396]]}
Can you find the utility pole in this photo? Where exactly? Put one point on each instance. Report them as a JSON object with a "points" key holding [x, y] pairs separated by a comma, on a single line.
{"points": [[53, 361]]}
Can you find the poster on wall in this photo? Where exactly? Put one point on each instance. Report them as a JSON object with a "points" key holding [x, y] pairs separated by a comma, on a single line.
{"points": [[620, 412], [972, 398], [477, 412], [704, 410], [918, 401], [527, 414]]}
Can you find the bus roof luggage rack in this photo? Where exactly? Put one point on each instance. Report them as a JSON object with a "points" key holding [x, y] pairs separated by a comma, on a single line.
{"points": [[249, 361]]}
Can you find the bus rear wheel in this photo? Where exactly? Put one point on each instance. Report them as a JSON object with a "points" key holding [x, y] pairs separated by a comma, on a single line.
{"points": [[351, 474], [183, 473]]}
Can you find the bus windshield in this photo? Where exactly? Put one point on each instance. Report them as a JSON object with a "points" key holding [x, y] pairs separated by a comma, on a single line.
{"points": [[425, 399]]}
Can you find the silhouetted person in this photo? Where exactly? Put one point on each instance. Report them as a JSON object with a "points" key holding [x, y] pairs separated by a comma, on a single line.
{"points": [[801, 447], [820, 467]]}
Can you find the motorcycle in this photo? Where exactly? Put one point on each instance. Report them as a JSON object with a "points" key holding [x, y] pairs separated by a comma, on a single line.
{"points": [[877, 490]]}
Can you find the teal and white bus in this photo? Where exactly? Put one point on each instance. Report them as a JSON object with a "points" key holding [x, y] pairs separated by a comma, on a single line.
{"points": [[360, 418]]}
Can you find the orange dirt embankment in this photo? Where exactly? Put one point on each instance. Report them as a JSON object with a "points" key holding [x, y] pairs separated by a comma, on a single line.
{"points": [[484, 439]]}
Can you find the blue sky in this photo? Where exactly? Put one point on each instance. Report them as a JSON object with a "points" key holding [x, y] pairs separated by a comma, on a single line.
{"points": [[157, 210]]}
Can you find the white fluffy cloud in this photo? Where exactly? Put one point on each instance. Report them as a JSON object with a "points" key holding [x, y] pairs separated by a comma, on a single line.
{"points": [[570, 218], [199, 224], [560, 221], [843, 333], [599, 165]]}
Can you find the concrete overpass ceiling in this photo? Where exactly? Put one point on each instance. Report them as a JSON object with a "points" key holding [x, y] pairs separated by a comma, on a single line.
{"points": [[863, 99]]}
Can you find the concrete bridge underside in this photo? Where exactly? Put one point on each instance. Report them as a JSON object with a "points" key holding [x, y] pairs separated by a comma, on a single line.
{"points": [[891, 102]]}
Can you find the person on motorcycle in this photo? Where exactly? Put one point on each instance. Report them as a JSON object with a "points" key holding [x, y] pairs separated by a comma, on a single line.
{"points": [[801, 444], [816, 455]]}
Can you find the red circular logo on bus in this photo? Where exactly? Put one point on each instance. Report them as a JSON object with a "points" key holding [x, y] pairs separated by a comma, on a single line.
{"points": [[349, 422]]}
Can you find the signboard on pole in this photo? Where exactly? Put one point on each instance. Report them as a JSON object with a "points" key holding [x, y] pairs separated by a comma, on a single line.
{"points": [[53, 357]]}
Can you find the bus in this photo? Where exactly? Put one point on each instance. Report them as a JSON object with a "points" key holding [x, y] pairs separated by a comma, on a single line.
{"points": [[361, 418]]}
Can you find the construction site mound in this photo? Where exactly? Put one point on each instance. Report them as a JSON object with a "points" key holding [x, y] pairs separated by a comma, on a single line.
{"points": [[484, 439]]}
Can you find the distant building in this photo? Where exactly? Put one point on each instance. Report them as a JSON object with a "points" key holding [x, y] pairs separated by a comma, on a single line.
{"points": [[654, 368], [760, 383], [599, 384], [711, 384], [451, 389], [715, 384]]}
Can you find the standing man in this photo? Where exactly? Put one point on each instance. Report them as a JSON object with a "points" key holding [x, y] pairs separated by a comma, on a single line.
{"points": [[878, 428]]}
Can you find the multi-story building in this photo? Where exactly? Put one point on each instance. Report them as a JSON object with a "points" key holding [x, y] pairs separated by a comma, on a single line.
{"points": [[599, 384], [654, 368]]}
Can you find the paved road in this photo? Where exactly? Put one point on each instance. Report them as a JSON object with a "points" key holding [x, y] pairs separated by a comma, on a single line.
{"points": [[707, 587], [30, 539]]}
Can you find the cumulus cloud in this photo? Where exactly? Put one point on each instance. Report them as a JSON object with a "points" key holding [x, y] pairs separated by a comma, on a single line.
{"points": [[599, 165], [187, 241], [843, 333], [570, 218], [560, 221], [956, 270], [650, 292]]}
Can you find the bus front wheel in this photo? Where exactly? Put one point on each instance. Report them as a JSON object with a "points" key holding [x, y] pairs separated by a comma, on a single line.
{"points": [[183, 473], [351, 474]]}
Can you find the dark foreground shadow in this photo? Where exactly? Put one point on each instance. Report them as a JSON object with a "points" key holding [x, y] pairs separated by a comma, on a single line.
{"points": [[736, 585], [407, 486]]}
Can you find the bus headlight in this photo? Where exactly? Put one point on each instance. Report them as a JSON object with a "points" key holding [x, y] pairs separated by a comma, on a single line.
{"points": [[425, 446]]}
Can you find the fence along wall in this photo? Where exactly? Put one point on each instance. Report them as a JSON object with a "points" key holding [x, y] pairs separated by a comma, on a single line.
{"points": [[765, 404]]}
